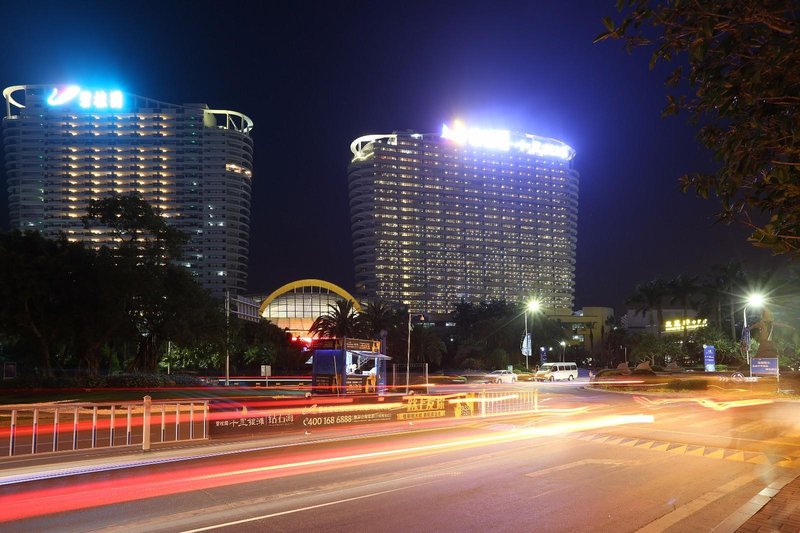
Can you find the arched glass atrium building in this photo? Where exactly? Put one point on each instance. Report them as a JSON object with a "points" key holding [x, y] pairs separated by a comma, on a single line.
{"points": [[467, 215], [67, 145]]}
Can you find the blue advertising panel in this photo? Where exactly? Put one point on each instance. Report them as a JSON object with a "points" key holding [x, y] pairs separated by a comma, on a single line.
{"points": [[710, 358], [328, 371], [766, 366], [543, 355]]}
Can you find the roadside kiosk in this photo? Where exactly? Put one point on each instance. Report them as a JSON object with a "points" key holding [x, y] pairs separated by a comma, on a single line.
{"points": [[347, 366]]}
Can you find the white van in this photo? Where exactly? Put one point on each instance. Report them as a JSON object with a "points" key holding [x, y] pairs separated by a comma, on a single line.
{"points": [[554, 371]]}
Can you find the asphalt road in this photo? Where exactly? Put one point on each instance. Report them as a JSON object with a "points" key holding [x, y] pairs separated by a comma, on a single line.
{"points": [[588, 461]]}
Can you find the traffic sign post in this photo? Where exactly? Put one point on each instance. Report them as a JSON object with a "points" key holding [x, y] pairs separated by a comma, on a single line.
{"points": [[710, 358], [766, 366]]}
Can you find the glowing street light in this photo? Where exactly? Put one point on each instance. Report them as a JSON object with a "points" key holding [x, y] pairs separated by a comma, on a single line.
{"points": [[753, 300], [532, 306], [563, 349]]}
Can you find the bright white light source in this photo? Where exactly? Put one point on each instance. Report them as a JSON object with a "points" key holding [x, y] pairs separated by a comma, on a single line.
{"points": [[755, 300], [502, 140], [115, 99], [62, 96], [100, 99], [85, 99]]}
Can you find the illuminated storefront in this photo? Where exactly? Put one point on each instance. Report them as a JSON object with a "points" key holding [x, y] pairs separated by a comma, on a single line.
{"points": [[466, 215], [67, 145]]}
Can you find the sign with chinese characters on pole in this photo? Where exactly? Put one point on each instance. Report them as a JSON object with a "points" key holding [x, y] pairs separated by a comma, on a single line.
{"points": [[526, 345], [710, 358], [764, 366]]}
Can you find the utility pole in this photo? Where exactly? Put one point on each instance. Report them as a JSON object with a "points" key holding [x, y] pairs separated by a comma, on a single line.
{"points": [[408, 354], [227, 337]]}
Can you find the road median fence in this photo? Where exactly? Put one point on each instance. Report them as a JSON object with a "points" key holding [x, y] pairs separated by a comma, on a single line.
{"points": [[327, 412], [29, 429]]}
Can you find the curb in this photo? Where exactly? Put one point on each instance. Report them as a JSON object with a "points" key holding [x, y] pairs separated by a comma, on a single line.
{"points": [[747, 511]]}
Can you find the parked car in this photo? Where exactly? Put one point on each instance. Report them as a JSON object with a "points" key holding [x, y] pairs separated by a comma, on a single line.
{"points": [[501, 376]]}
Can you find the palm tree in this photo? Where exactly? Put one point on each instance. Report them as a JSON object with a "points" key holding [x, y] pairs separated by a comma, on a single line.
{"points": [[427, 347], [728, 277], [341, 320], [650, 297], [681, 289], [378, 316]]}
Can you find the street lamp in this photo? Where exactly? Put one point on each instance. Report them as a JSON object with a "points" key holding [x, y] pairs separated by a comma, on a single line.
{"points": [[408, 354], [753, 300], [532, 306], [563, 349]]}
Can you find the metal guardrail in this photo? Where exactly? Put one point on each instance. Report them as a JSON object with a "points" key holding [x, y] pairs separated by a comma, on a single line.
{"points": [[39, 428], [499, 403]]}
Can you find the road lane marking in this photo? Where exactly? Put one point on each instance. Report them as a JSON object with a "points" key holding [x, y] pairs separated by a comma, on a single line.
{"points": [[684, 511], [299, 509], [574, 464]]}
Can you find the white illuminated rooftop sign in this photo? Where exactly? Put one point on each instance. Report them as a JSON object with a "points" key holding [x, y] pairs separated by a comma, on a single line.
{"points": [[95, 99], [502, 140]]}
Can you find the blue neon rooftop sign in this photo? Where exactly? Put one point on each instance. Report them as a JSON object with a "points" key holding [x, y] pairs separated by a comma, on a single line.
{"points": [[86, 98]]}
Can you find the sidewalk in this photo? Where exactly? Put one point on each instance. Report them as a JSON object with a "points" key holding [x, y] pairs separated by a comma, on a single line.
{"points": [[781, 511]]}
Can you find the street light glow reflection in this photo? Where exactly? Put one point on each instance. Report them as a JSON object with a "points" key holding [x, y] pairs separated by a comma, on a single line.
{"points": [[756, 300]]}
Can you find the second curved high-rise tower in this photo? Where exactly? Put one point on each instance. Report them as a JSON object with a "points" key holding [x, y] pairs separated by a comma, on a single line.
{"points": [[467, 215]]}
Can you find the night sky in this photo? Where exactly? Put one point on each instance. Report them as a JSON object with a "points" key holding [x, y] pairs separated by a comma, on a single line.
{"points": [[315, 75]]}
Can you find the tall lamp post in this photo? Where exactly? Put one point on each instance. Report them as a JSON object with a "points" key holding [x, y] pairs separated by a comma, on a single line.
{"points": [[563, 349], [753, 300], [532, 306], [408, 354]]}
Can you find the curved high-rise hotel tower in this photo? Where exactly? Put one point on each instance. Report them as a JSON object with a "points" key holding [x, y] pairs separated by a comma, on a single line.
{"points": [[467, 215], [67, 145]]}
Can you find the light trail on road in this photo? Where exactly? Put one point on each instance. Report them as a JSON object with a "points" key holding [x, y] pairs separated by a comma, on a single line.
{"points": [[38, 502], [705, 402]]}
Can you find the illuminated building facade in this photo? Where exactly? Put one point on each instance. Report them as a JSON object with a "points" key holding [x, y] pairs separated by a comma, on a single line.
{"points": [[295, 306], [467, 215], [66, 146]]}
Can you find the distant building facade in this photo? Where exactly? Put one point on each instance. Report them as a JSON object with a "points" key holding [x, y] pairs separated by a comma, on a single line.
{"points": [[66, 145], [588, 328], [463, 216]]}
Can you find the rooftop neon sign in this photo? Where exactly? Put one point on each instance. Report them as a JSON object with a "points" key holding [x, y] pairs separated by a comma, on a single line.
{"points": [[87, 99], [505, 140]]}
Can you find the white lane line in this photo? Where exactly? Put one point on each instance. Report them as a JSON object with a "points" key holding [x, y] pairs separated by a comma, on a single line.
{"points": [[582, 462], [299, 510], [684, 511]]}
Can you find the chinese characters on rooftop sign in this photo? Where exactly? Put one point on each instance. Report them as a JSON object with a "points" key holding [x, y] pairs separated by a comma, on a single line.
{"points": [[504, 140], [688, 324], [87, 99]]}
